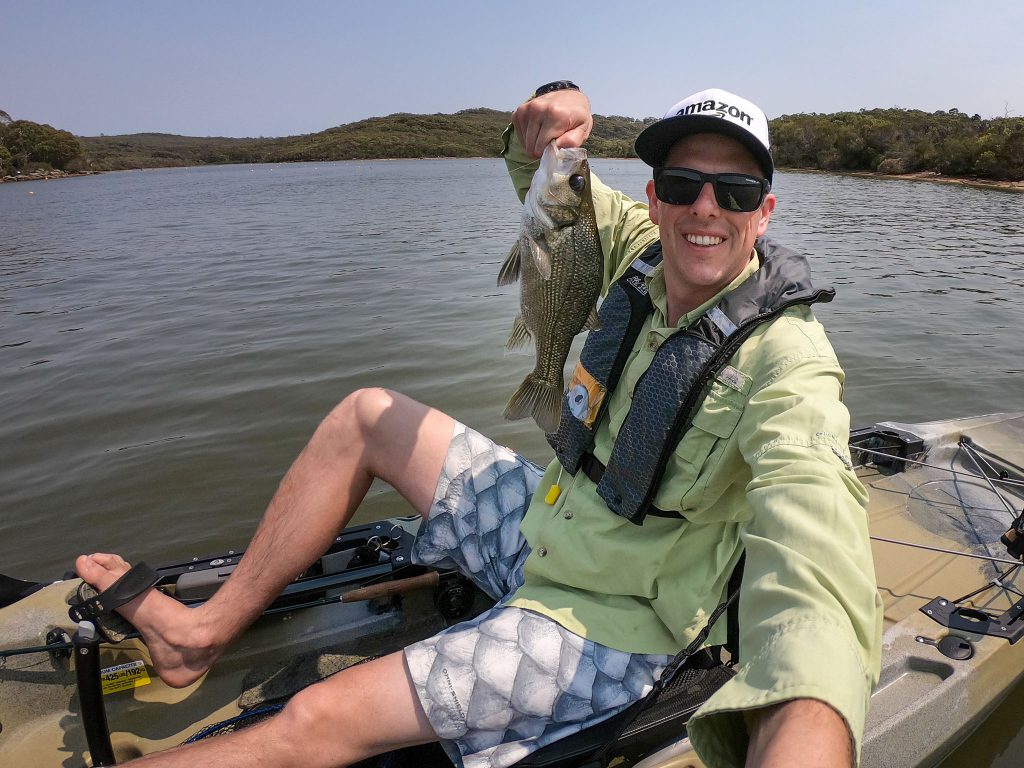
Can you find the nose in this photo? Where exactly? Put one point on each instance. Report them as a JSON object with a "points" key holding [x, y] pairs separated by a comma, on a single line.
{"points": [[706, 204]]}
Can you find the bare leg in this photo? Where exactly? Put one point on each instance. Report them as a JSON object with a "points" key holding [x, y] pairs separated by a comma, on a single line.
{"points": [[362, 711], [372, 433]]}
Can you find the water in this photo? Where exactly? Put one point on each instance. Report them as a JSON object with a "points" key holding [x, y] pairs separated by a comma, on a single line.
{"points": [[169, 339]]}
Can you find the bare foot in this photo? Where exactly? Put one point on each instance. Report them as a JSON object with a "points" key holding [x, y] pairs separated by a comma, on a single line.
{"points": [[171, 630]]}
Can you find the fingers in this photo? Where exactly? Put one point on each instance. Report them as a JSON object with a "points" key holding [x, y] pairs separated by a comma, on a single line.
{"points": [[575, 137], [560, 116]]}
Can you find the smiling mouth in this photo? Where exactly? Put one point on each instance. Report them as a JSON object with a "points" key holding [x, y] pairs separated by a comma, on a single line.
{"points": [[703, 239]]}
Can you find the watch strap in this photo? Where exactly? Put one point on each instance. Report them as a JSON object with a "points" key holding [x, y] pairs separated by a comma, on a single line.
{"points": [[557, 85]]}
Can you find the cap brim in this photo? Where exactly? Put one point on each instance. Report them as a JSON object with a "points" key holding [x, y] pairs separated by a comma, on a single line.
{"points": [[654, 142]]}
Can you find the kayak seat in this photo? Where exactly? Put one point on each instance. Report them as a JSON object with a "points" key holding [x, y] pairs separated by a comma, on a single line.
{"points": [[643, 728], [13, 590]]}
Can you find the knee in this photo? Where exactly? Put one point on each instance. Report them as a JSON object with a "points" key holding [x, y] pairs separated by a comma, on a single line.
{"points": [[360, 413], [309, 729]]}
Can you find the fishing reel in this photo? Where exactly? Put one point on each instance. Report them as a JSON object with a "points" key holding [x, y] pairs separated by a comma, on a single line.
{"points": [[454, 597]]}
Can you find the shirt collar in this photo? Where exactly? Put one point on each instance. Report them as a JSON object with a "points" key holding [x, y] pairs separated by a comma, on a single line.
{"points": [[656, 289]]}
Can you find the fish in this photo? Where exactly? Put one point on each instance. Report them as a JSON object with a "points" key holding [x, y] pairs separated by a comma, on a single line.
{"points": [[560, 265]]}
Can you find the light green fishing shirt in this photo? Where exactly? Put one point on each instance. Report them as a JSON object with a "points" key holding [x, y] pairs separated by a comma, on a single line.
{"points": [[765, 468]]}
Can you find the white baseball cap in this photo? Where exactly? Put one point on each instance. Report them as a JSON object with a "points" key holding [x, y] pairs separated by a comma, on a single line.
{"points": [[710, 111]]}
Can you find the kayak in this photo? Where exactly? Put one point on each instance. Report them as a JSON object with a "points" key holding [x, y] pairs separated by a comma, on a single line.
{"points": [[946, 501], [949, 582]]}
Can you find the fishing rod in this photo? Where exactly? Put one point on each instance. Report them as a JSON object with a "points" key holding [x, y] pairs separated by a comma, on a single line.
{"points": [[375, 591], [992, 476], [958, 614], [991, 559], [999, 479]]}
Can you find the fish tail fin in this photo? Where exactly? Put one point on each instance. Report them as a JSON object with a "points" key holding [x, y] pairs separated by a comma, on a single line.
{"points": [[537, 398], [510, 270], [520, 334]]}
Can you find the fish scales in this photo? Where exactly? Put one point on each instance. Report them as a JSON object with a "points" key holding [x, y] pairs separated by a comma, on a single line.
{"points": [[559, 263]]}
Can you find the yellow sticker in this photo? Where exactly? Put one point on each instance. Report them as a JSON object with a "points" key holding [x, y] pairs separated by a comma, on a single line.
{"points": [[585, 395], [124, 677]]}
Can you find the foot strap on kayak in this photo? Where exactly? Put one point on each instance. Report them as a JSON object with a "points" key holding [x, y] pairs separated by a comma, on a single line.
{"points": [[98, 607]]}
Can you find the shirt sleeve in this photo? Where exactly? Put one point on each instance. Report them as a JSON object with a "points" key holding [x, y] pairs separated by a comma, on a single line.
{"points": [[624, 225], [810, 614]]}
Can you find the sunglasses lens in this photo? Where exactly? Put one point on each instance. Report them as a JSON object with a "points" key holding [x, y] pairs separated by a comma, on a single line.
{"points": [[678, 186], [738, 193], [733, 191]]}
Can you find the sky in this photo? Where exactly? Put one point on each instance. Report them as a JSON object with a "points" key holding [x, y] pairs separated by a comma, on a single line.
{"points": [[231, 68]]}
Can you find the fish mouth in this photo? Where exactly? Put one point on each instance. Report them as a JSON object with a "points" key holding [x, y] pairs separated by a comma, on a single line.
{"points": [[704, 240]]}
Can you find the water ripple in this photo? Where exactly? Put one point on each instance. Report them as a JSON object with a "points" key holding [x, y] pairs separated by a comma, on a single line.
{"points": [[169, 339]]}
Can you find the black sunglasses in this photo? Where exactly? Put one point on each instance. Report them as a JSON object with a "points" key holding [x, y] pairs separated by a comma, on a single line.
{"points": [[738, 192]]}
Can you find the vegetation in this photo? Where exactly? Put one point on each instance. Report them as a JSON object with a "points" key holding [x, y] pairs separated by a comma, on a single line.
{"points": [[469, 133], [24, 145], [894, 141], [902, 141]]}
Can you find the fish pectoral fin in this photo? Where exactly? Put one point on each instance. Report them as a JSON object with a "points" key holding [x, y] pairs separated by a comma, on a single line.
{"points": [[592, 324], [520, 334], [511, 269], [541, 260]]}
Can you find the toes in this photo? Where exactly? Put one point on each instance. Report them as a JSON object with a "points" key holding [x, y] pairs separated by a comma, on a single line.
{"points": [[114, 563], [87, 568], [101, 570]]}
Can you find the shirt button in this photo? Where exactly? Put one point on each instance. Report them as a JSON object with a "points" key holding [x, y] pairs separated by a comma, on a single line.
{"points": [[542, 552], [567, 515]]}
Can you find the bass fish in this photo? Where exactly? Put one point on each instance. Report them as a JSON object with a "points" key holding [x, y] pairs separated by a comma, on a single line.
{"points": [[559, 262]]}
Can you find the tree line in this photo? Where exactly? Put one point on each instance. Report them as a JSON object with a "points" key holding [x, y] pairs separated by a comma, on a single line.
{"points": [[24, 144], [892, 141], [899, 141]]}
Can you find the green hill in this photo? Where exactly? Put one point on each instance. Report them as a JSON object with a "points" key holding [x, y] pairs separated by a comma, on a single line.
{"points": [[895, 141], [469, 133]]}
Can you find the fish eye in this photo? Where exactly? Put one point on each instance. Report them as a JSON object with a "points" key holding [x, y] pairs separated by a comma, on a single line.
{"points": [[577, 182]]}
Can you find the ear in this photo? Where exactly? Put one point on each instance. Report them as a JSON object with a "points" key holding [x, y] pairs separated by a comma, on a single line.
{"points": [[652, 201], [766, 213]]}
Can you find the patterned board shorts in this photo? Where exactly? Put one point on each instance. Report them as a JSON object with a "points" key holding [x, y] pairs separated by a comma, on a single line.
{"points": [[509, 681]]}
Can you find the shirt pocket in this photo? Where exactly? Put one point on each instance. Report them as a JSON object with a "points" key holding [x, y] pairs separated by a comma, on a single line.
{"points": [[700, 469]]}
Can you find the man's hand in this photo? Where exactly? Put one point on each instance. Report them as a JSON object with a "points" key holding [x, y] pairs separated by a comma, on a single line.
{"points": [[560, 116], [803, 732]]}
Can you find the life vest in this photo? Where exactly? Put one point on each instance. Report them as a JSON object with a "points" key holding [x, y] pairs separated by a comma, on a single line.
{"points": [[669, 394]]}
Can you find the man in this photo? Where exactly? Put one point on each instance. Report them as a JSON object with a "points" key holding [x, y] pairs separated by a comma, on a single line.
{"points": [[595, 592]]}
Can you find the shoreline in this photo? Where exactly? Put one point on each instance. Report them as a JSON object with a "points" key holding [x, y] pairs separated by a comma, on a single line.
{"points": [[928, 176], [47, 175]]}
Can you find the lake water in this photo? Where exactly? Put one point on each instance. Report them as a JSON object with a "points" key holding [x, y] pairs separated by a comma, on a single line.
{"points": [[169, 339]]}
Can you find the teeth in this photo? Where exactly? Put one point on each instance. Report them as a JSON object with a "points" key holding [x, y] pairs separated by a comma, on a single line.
{"points": [[703, 239]]}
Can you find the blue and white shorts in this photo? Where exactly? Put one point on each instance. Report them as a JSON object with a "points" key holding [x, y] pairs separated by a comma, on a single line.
{"points": [[509, 681]]}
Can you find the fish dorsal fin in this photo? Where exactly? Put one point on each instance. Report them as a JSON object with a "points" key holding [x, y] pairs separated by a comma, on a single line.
{"points": [[511, 269], [541, 259]]}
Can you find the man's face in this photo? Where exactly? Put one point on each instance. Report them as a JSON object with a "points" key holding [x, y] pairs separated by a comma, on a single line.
{"points": [[704, 246]]}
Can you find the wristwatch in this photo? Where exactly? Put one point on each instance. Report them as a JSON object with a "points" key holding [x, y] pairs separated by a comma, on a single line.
{"points": [[557, 85]]}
